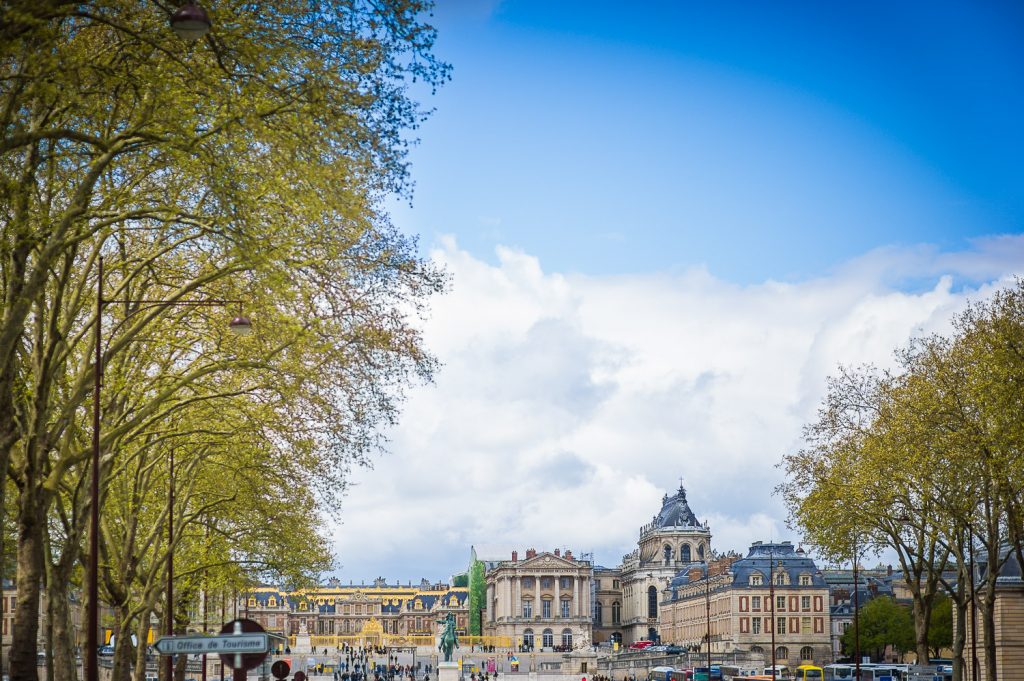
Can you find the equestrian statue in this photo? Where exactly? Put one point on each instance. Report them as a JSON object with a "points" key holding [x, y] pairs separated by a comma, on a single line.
{"points": [[449, 639]]}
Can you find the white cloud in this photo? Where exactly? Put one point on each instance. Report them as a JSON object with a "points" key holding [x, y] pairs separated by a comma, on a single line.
{"points": [[567, 405]]}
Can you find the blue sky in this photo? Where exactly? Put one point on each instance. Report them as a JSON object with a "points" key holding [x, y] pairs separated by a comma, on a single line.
{"points": [[666, 224], [762, 140]]}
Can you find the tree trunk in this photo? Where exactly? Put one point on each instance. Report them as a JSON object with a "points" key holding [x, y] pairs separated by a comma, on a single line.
{"points": [[30, 576], [988, 627], [122, 646], [922, 617], [64, 668], [960, 631]]}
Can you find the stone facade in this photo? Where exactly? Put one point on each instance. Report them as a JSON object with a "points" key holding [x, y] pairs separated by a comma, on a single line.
{"points": [[542, 601], [742, 600], [672, 541]]}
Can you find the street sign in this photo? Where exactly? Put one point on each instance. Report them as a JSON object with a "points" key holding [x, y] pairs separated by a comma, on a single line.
{"points": [[200, 645]]}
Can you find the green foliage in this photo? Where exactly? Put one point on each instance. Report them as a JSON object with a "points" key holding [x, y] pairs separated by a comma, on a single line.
{"points": [[883, 623], [940, 629], [461, 580], [477, 596]]}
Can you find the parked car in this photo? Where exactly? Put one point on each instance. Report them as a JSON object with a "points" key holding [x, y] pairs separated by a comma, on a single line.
{"points": [[106, 651], [675, 650], [656, 649], [640, 645]]}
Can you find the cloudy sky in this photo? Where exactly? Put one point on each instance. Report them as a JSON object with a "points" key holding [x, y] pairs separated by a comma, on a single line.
{"points": [[666, 224]]}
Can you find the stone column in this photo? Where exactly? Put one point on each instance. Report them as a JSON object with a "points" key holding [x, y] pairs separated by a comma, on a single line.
{"points": [[536, 598], [576, 596]]}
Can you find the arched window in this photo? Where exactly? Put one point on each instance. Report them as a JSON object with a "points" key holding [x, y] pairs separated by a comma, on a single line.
{"points": [[684, 553], [567, 638], [598, 614], [652, 602], [548, 639], [807, 653], [528, 638], [668, 553], [757, 650], [616, 612], [700, 552], [782, 653]]}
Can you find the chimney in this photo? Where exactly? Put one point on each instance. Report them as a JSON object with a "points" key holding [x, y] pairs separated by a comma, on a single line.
{"points": [[558, 552], [531, 553], [515, 556], [568, 554]]}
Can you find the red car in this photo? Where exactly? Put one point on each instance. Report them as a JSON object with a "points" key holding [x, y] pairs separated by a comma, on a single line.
{"points": [[640, 645]]}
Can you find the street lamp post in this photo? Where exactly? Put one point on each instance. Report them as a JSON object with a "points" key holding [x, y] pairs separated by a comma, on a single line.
{"points": [[240, 325], [856, 611], [771, 597], [707, 609]]}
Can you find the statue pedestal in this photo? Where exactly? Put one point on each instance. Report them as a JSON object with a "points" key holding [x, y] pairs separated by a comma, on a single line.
{"points": [[302, 643], [448, 671]]}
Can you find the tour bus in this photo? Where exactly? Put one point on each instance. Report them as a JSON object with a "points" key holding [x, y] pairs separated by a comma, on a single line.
{"points": [[660, 674], [838, 672], [809, 672], [781, 672]]}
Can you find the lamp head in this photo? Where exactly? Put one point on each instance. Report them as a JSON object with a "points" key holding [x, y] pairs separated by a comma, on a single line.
{"points": [[190, 21], [241, 325]]}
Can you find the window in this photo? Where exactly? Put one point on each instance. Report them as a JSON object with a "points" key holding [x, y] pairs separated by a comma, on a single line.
{"points": [[272, 602], [780, 578], [805, 580], [567, 638], [782, 653], [616, 612], [598, 614], [700, 552], [548, 638], [615, 584], [546, 608], [755, 602], [565, 582], [807, 653], [667, 551], [684, 553], [757, 650], [302, 605], [347, 609], [780, 603], [756, 580], [527, 608], [780, 625], [348, 626], [565, 607], [527, 582], [805, 626], [755, 625], [652, 602], [805, 603], [252, 602], [546, 582], [528, 638]]}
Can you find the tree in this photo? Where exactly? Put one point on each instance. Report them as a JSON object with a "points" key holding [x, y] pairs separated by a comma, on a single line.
{"points": [[250, 165], [883, 623]]}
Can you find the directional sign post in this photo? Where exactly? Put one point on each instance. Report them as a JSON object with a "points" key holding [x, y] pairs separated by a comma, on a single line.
{"points": [[199, 645]]}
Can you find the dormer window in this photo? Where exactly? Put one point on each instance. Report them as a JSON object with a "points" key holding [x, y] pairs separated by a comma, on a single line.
{"points": [[756, 579], [805, 580]]}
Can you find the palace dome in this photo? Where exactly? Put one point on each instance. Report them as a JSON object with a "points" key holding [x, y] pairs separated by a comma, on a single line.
{"points": [[675, 512]]}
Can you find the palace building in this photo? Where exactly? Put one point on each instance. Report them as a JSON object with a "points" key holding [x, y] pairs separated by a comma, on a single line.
{"points": [[541, 601], [358, 614]]}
